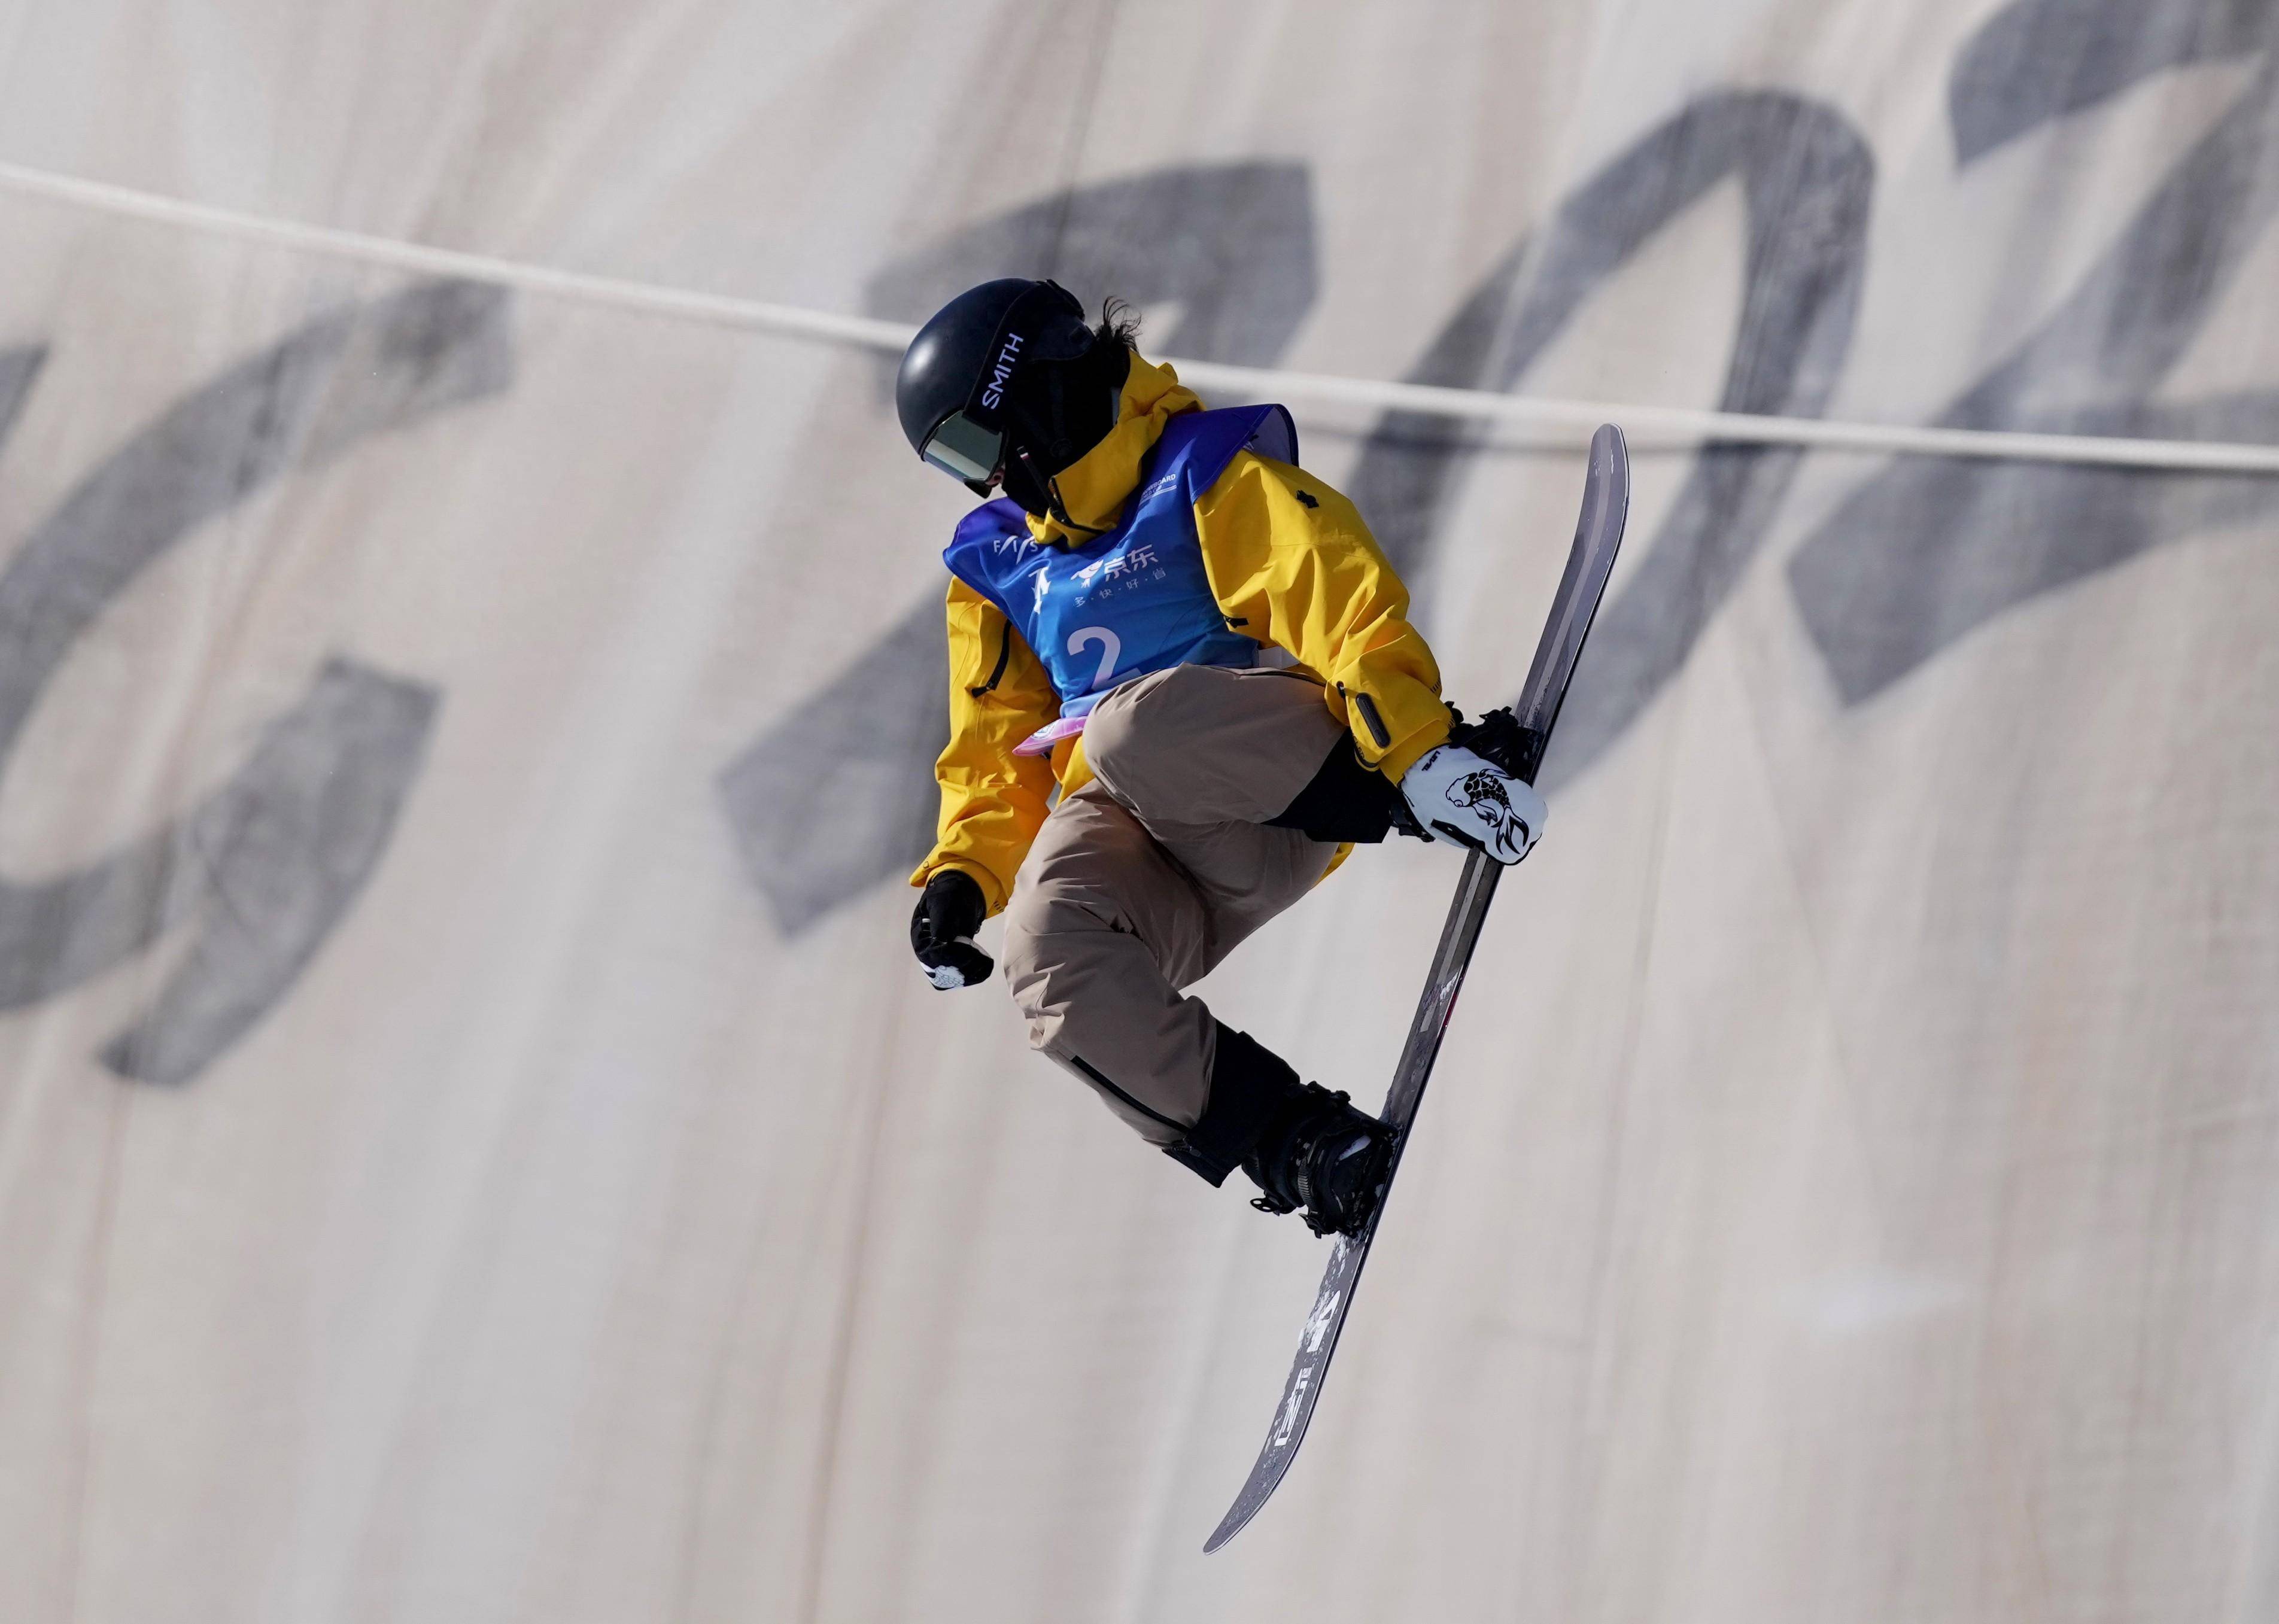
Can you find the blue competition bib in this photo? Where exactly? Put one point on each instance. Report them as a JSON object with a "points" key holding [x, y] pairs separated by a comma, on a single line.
{"points": [[1135, 600]]}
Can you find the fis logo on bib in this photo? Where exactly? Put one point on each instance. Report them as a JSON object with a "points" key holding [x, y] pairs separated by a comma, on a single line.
{"points": [[994, 395]]}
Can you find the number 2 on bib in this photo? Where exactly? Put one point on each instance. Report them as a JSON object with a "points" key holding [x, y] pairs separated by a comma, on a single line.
{"points": [[1111, 650]]}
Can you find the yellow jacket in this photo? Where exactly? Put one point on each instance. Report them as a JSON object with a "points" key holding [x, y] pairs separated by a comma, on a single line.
{"points": [[1301, 575]]}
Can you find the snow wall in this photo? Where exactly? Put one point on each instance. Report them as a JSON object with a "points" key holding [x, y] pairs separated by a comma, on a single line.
{"points": [[473, 1145]]}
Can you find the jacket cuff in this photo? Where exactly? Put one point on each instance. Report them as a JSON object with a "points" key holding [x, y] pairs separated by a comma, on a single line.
{"points": [[1407, 752], [992, 892]]}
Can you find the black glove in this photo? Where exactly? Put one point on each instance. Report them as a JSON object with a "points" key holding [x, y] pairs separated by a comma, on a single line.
{"points": [[950, 909]]}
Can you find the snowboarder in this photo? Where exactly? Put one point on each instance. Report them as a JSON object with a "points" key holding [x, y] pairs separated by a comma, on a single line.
{"points": [[1202, 645]]}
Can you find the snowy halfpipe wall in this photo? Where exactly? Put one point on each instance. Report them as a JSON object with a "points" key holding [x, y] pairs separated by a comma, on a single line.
{"points": [[473, 1143]]}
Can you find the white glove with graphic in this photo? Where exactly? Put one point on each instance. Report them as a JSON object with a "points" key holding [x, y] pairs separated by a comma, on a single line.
{"points": [[1461, 797]]}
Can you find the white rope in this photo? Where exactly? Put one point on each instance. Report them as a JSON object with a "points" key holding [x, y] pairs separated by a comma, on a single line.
{"points": [[1678, 423]]}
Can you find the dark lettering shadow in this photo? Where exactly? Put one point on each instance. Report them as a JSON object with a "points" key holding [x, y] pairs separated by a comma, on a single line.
{"points": [[267, 865], [18, 368], [1806, 180], [1931, 550]]}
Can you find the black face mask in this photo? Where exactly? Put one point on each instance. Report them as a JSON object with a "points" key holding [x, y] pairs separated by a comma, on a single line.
{"points": [[1054, 413]]}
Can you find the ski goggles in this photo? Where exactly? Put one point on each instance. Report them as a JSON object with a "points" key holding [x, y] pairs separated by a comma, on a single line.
{"points": [[966, 449]]}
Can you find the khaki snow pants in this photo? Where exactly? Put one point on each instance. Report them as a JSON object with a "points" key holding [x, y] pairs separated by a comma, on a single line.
{"points": [[1147, 877]]}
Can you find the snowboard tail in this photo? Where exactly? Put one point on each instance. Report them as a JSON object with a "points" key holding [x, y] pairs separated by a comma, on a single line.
{"points": [[1598, 537]]}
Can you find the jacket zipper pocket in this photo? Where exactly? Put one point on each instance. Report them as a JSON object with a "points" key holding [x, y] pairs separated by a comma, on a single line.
{"points": [[1004, 653]]}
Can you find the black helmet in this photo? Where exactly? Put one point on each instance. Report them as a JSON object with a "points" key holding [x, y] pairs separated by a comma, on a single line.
{"points": [[967, 376]]}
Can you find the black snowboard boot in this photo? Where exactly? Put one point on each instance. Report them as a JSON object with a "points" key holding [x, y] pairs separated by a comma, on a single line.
{"points": [[1322, 1155], [1301, 1145], [1250, 1087]]}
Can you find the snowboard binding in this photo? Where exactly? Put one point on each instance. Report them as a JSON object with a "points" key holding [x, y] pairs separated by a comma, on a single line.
{"points": [[1322, 1157], [1502, 739]]}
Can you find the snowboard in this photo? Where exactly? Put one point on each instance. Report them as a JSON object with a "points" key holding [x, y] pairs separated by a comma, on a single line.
{"points": [[1598, 537]]}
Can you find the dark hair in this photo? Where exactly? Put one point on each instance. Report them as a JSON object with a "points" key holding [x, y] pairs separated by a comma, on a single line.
{"points": [[1119, 322]]}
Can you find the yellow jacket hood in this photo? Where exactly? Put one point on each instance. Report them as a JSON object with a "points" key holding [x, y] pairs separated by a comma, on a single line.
{"points": [[1093, 487]]}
